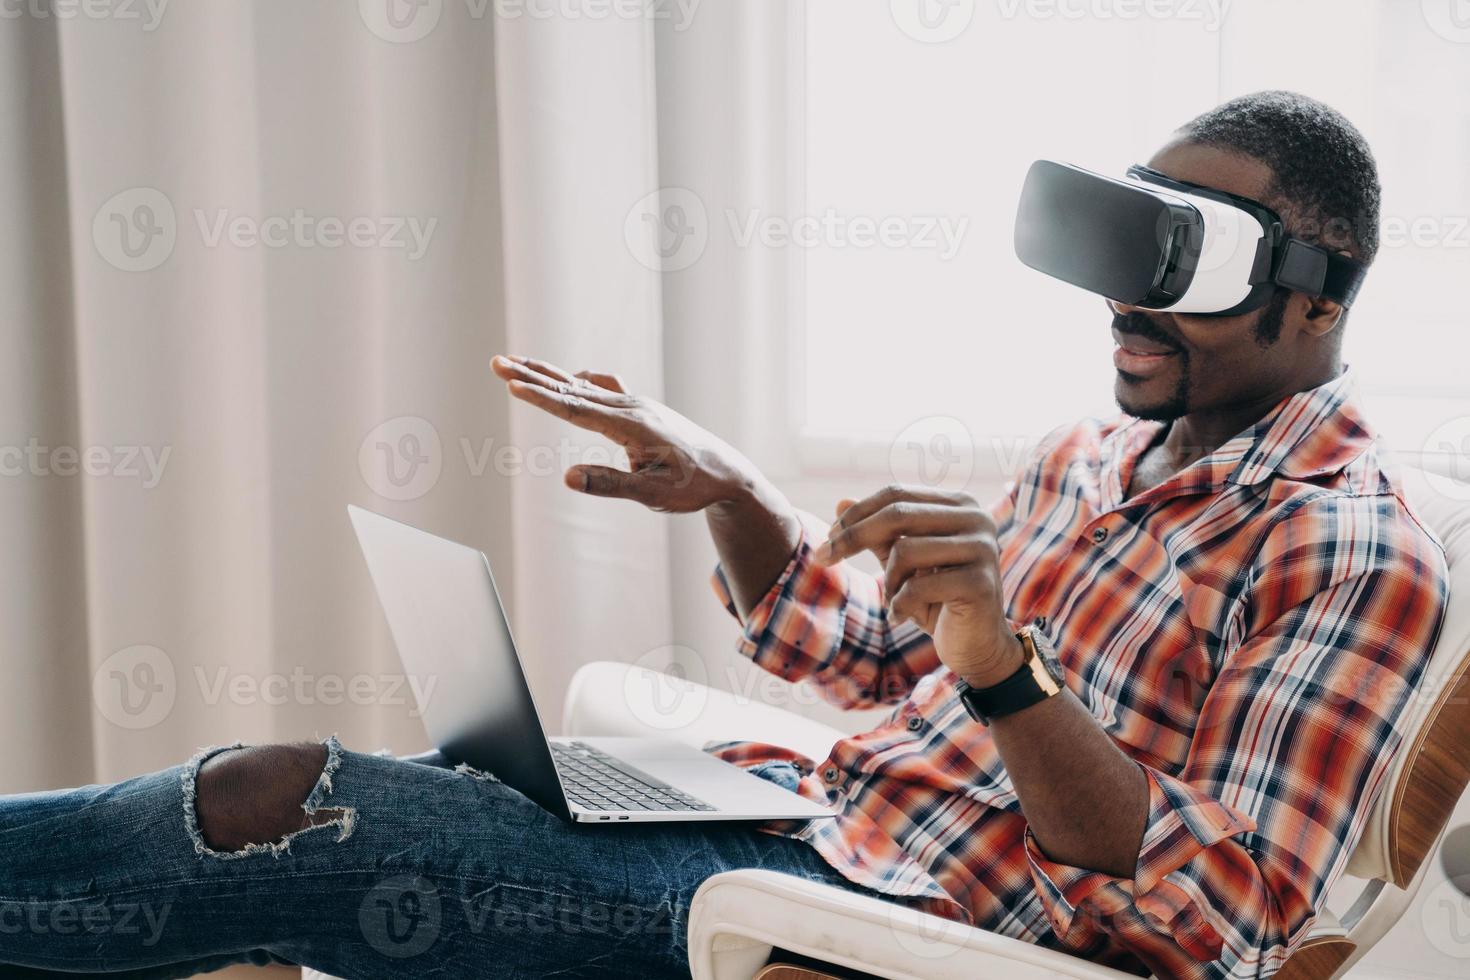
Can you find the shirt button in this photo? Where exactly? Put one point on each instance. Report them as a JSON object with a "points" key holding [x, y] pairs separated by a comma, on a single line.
{"points": [[830, 774], [915, 723], [1099, 535]]}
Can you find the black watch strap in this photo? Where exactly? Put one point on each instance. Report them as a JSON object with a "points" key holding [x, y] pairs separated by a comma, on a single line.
{"points": [[1017, 691]]}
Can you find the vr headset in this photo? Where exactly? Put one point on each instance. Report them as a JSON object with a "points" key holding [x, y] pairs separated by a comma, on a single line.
{"points": [[1162, 244]]}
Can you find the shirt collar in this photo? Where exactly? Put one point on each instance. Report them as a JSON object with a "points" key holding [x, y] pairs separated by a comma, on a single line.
{"points": [[1311, 433]]}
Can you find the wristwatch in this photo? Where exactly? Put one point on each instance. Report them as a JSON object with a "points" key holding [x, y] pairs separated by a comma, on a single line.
{"points": [[1038, 678]]}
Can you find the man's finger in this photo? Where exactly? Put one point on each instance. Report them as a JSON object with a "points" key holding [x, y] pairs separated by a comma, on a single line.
{"points": [[579, 411], [513, 370], [923, 595], [879, 531], [607, 481], [541, 367], [912, 556], [609, 381], [897, 493]]}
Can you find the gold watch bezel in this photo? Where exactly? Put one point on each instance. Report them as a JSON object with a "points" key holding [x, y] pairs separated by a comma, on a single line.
{"points": [[1037, 663]]}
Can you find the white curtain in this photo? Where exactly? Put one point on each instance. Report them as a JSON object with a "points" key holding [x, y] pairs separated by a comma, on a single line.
{"points": [[258, 257]]}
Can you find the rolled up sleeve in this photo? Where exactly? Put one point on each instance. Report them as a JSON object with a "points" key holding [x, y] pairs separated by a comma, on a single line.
{"points": [[829, 625]]}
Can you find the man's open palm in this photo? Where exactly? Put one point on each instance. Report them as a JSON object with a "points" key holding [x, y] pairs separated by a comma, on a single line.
{"points": [[673, 464]]}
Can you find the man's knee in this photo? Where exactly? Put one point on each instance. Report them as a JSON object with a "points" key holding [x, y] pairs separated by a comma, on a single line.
{"points": [[257, 795]]}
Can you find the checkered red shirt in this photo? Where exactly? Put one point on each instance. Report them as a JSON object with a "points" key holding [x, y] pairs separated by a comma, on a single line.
{"points": [[1249, 632]]}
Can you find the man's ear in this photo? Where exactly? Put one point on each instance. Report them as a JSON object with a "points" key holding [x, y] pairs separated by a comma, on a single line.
{"points": [[1322, 315]]}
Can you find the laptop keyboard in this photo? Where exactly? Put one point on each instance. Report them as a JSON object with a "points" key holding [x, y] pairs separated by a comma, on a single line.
{"points": [[596, 781]]}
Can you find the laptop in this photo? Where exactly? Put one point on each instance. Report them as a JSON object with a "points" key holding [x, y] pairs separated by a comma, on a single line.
{"points": [[450, 626]]}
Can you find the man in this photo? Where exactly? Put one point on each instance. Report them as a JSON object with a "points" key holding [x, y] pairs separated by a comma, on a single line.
{"points": [[1179, 626]]}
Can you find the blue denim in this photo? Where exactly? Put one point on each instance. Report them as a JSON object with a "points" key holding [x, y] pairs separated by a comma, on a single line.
{"points": [[426, 870]]}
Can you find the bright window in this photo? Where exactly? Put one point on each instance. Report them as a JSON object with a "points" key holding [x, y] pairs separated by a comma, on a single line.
{"points": [[913, 302]]}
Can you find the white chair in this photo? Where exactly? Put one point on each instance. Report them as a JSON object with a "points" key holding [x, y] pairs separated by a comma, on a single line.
{"points": [[741, 917]]}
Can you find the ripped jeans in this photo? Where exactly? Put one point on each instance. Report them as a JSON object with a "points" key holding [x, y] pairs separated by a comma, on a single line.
{"points": [[423, 870]]}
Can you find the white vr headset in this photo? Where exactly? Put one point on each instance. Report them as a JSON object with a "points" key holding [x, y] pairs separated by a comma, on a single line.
{"points": [[1162, 244]]}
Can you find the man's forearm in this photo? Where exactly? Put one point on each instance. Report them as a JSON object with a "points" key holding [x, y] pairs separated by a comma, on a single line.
{"points": [[756, 533], [1086, 802]]}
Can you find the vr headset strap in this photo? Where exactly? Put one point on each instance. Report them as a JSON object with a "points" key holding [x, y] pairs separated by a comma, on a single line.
{"points": [[1315, 271]]}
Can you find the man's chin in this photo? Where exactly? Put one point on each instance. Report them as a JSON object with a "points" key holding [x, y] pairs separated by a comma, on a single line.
{"points": [[1146, 398]]}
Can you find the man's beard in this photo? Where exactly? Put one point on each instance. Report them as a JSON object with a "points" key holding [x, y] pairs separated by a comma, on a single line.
{"points": [[1177, 404], [1267, 332]]}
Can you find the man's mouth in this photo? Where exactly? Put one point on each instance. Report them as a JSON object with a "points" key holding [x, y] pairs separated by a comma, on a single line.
{"points": [[1140, 355]]}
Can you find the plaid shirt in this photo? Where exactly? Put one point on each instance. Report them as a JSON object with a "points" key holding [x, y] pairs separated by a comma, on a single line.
{"points": [[1248, 631]]}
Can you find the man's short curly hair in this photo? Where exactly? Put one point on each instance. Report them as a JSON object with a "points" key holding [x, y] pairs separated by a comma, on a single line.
{"points": [[1325, 181]]}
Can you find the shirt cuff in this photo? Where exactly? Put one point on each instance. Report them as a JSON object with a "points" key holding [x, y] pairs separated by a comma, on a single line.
{"points": [[754, 626], [1183, 821]]}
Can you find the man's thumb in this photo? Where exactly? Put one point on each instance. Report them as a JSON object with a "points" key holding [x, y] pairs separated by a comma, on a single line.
{"points": [[605, 481]]}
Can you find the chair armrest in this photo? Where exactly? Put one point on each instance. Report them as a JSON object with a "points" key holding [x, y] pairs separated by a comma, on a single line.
{"points": [[738, 916], [607, 698]]}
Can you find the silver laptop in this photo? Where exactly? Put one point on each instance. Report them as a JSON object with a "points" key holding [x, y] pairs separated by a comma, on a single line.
{"points": [[449, 625]]}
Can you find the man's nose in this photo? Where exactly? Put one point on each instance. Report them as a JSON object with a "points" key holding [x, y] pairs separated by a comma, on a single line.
{"points": [[1123, 309]]}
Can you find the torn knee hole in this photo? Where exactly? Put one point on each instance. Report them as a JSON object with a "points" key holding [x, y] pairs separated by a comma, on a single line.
{"points": [[247, 800]]}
